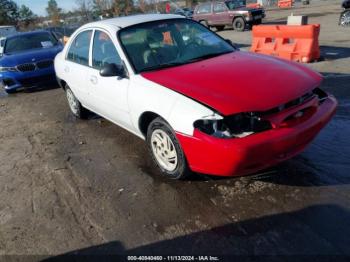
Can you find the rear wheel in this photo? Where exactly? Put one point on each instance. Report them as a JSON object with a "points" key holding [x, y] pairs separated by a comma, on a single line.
{"points": [[345, 18], [166, 151], [238, 24], [74, 105]]}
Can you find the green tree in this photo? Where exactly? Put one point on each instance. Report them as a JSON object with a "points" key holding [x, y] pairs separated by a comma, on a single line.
{"points": [[27, 19], [25, 14], [85, 8], [54, 12], [8, 12]]}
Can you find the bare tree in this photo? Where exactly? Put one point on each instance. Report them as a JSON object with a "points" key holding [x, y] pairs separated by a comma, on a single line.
{"points": [[123, 7], [142, 5], [103, 5], [85, 8]]}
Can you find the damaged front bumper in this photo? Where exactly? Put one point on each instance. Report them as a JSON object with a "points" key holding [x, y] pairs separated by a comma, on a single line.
{"points": [[241, 156]]}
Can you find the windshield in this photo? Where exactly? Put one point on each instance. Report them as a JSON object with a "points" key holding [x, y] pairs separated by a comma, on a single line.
{"points": [[234, 4], [160, 44], [27, 42]]}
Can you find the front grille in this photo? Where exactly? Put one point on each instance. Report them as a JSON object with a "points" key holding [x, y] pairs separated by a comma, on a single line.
{"points": [[26, 67], [44, 64], [292, 103], [35, 81]]}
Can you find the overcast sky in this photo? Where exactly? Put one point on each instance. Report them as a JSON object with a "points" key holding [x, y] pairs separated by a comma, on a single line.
{"points": [[38, 6]]}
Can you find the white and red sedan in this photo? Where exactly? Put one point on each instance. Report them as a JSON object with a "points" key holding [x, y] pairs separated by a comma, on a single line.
{"points": [[200, 103]]}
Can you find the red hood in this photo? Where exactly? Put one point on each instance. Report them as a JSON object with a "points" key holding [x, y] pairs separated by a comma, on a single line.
{"points": [[239, 81]]}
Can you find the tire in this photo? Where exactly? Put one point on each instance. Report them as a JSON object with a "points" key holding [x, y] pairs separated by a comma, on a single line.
{"points": [[219, 27], [344, 19], [74, 105], [10, 91], [239, 24], [166, 150]]}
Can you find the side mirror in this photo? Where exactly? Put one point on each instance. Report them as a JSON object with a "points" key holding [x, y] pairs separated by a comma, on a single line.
{"points": [[109, 70]]}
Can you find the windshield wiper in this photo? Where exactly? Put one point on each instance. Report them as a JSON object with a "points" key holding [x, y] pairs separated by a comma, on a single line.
{"points": [[162, 66], [171, 64], [203, 57]]}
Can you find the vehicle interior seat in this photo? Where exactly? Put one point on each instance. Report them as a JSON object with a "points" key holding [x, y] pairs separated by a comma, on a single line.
{"points": [[158, 51]]}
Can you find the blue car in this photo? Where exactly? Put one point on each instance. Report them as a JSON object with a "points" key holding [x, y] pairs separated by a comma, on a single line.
{"points": [[27, 60]]}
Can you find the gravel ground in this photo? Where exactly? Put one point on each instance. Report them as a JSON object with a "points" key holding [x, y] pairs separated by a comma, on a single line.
{"points": [[69, 186]]}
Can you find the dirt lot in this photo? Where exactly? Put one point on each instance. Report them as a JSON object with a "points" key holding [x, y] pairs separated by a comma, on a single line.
{"points": [[89, 187]]}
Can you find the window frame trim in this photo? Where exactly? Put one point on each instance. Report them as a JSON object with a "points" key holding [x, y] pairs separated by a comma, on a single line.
{"points": [[92, 46], [71, 42]]}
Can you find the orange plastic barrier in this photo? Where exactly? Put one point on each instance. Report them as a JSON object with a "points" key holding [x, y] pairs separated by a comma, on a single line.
{"points": [[253, 5], [285, 3], [293, 42]]}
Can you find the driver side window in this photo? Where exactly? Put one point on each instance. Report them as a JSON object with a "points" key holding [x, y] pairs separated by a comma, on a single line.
{"points": [[104, 51]]}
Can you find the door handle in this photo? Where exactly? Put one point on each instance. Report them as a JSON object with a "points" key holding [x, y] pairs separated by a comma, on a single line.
{"points": [[93, 80]]}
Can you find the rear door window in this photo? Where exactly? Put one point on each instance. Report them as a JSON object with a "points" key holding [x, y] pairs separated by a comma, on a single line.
{"points": [[204, 9], [219, 8], [80, 48]]}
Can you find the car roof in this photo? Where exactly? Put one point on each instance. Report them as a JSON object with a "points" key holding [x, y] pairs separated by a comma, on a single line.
{"points": [[125, 21], [26, 33]]}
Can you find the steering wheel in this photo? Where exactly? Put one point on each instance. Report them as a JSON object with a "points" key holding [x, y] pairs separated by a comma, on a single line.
{"points": [[189, 48]]}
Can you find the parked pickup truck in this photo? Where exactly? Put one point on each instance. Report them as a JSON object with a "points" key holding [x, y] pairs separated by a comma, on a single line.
{"points": [[234, 13]]}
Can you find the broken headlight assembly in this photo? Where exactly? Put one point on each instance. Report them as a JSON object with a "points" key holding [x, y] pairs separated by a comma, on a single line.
{"points": [[322, 95], [235, 126]]}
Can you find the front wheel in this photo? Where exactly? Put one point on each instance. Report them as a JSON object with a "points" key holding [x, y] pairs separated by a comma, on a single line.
{"points": [[345, 18], [166, 151], [238, 24]]}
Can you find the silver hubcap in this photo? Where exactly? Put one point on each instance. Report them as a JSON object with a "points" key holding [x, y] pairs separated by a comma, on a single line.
{"points": [[345, 20], [164, 150], [72, 101]]}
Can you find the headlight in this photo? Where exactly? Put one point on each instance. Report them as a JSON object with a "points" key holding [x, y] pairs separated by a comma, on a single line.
{"points": [[8, 69], [239, 125], [214, 127]]}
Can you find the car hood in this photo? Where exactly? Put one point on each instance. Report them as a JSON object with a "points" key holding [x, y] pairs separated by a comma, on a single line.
{"points": [[239, 81], [14, 59]]}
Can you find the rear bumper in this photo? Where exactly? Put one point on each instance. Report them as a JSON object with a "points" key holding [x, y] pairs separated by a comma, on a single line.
{"points": [[19, 80], [242, 156]]}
